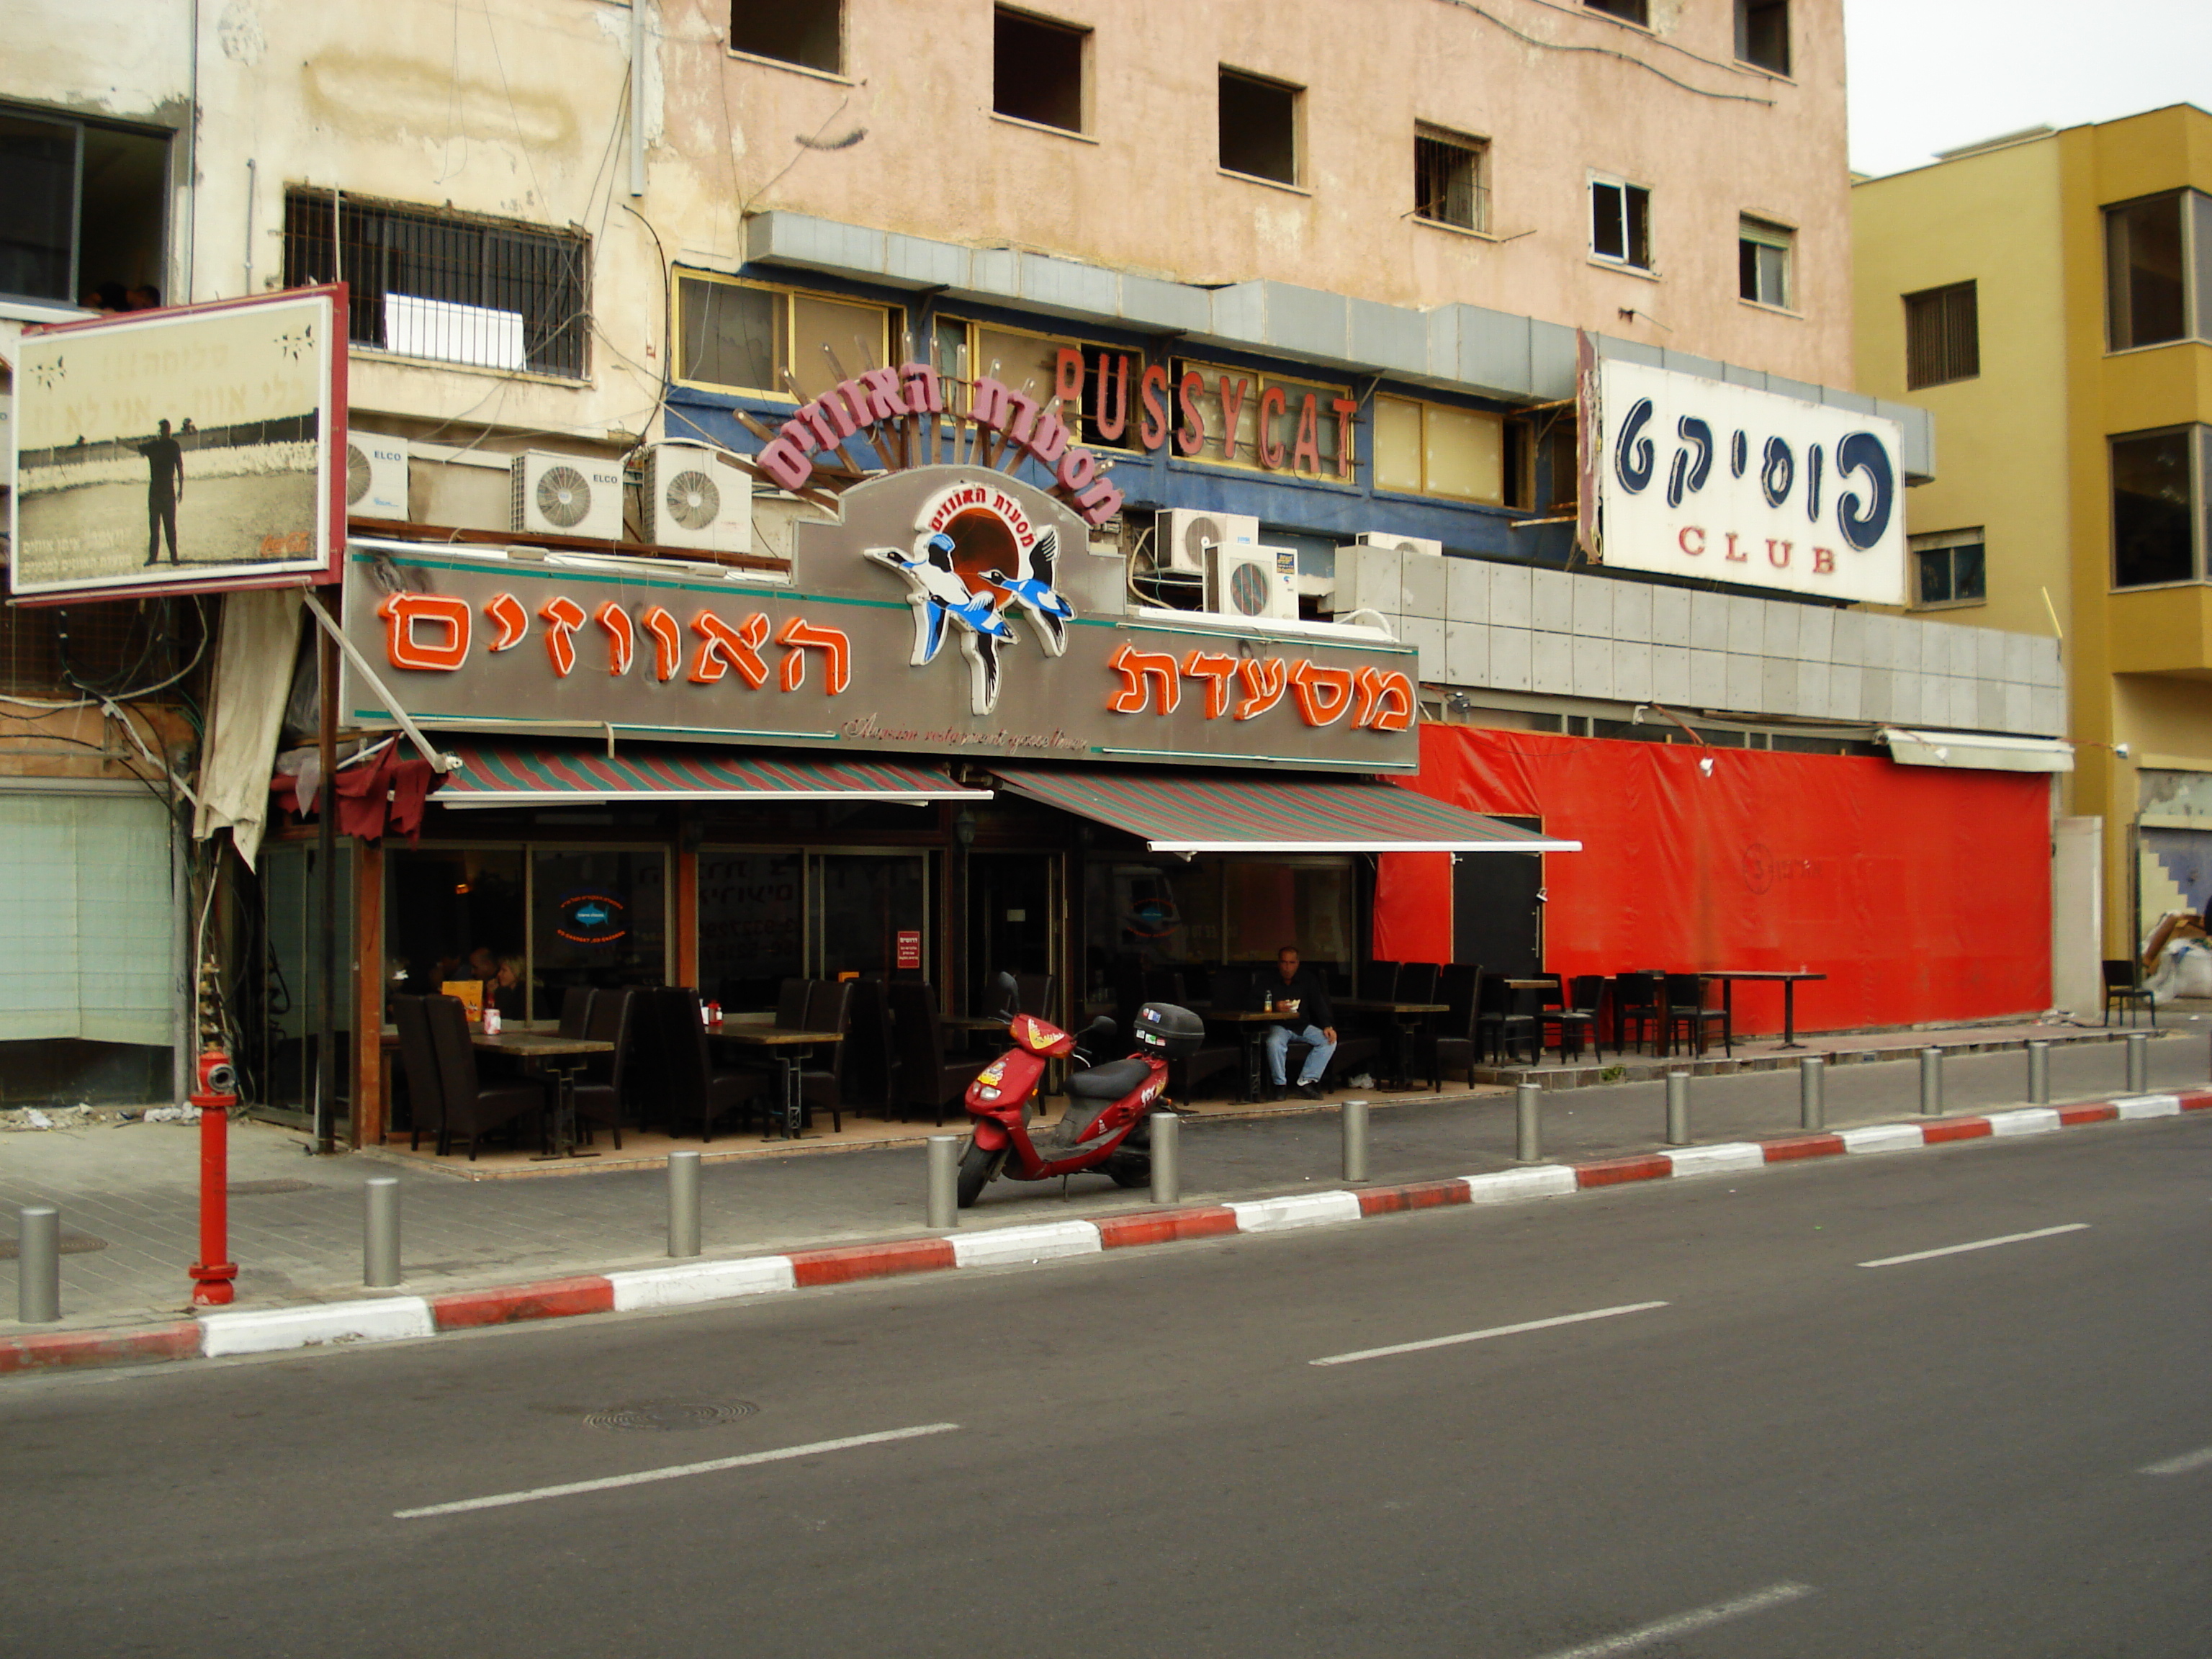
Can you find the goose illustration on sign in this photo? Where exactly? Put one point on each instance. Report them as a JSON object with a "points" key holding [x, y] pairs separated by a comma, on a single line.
{"points": [[968, 537], [591, 917]]}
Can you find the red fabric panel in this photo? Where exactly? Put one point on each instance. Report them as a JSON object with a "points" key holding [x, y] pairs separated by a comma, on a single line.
{"points": [[1413, 906], [1922, 893]]}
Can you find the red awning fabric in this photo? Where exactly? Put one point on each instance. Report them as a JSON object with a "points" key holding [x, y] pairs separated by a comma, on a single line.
{"points": [[386, 792]]}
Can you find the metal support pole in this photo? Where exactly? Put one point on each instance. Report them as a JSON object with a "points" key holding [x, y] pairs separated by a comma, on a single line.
{"points": [[1678, 1109], [379, 1245], [38, 1264], [2038, 1074], [2138, 1063], [944, 1180], [1813, 1092], [1528, 1125], [1931, 1082], [327, 894], [1167, 1157], [1355, 1140], [682, 1203]]}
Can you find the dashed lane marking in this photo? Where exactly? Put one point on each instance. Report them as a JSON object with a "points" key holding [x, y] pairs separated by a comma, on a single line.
{"points": [[1684, 1624], [1978, 1245], [1483, 1336], [2187, 1464]]}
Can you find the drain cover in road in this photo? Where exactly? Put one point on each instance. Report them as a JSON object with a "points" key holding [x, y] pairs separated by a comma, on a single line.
{"points": [[666, 1414]]}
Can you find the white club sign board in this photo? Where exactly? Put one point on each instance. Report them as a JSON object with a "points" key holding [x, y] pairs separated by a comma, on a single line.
{"points": [[1727, 483]]}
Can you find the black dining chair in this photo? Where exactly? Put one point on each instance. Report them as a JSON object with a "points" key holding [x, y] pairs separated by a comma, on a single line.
{"points": [[1638, 1011], [471, 1109], [1585, 1000], [1452, 1041], [927, 1078], [1416, 982], [1375, 981], [576, 1011], [1687, 1012], [1555, 1012], [698, 1091], [871, 1057], [1504, 1017], [829, 1009], [2124, 988], [1039, 993], [599, 1097], [418, 1064], [791, 997]]}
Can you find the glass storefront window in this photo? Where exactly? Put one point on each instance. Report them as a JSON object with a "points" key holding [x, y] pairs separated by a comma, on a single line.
{"points": [[867, 907], [452, 915], [280, 1049], [600, 918], [1166, 912], [1301, 902], [752, 917]]}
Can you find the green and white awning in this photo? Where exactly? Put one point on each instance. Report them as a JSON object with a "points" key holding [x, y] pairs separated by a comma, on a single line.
{"points": [[539, 773]]}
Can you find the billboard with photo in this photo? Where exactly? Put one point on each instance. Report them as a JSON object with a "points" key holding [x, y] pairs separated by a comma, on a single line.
{"points": [[180, 451]]}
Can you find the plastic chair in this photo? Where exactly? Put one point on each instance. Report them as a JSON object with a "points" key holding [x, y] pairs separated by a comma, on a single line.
{"points": [[2122, 987]]}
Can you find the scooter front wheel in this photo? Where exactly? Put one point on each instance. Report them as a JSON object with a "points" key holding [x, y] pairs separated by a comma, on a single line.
{"points": [[977, 1166]]}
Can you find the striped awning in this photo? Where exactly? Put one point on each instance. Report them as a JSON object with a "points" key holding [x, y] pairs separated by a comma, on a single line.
{"points": [[497, 772], [1247, 813]]}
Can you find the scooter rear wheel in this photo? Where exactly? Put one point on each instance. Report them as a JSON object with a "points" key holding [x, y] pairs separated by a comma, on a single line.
{"points": [[977, 1166]]}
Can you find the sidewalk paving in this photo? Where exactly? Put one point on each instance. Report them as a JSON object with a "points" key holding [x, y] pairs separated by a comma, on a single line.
{"points": [[296, 1220]]}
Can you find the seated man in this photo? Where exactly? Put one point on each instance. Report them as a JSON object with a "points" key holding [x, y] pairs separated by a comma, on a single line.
{"points": [[1298, 995]]}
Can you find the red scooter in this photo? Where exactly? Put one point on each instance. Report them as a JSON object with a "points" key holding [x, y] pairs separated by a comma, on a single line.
{"points": [[1104, 1127]]}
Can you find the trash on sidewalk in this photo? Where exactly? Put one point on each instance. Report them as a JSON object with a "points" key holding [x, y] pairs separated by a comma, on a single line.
{"points": [[25, 1118]]}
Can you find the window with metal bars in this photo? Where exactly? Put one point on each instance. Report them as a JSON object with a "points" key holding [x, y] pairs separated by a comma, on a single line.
{"points": [[1943, 336], [423, 283], [1451, 178]]}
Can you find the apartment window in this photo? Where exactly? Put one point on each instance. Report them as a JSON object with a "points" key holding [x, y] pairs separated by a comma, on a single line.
{"points": [[808, 33], [1451, 178], [1030, 363], [1943, 336], [1629, 11], [1620, 222], [1036, 69], [81, 211], [1949, 569], [1259, 127], [744, 337], [2158, 483], [1763, 253], [1246, 393], [452, 286], [2158, 258], [1762, 34], [1435, 449]]}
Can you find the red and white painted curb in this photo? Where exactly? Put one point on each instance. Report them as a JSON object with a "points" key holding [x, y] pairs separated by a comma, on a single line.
{"points": [[390, 1318]]}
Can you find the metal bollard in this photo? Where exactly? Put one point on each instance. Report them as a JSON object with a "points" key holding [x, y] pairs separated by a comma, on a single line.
{"points": [[2038, 1073], [38, 1264], [683, 1204], [1813, 1092], [1355, 1140], [1678, 1109], [1167, 1157], [944, 1180], [1528, 1127], [1931, 1082], [380, 1238], [2138, 1063]]}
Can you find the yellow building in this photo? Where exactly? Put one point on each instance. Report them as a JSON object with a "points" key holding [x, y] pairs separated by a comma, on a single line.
{"points": [[2048, 297]]}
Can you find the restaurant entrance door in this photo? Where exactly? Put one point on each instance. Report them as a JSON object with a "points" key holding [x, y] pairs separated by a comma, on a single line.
{"points": [[1016, 901]]}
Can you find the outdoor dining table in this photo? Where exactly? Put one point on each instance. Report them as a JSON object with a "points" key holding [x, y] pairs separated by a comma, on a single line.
{"points": [[1251, 1025], [788, 1049], [1406, 1018], [564, 1057], [1789, 982]]}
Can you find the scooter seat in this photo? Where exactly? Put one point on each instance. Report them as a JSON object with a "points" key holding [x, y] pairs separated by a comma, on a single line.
{"points": [[1108, 1082]]}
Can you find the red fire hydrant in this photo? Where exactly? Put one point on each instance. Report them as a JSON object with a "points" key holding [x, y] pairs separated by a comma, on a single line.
{"points": [[216, 1094]]}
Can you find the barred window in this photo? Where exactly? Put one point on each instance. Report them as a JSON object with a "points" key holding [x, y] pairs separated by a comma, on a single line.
{"points": [[452, 286], [1943, 336], [1451, 178]]}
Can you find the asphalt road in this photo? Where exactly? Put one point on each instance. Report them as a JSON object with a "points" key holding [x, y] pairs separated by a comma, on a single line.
{"points": [[1795, 1455]]}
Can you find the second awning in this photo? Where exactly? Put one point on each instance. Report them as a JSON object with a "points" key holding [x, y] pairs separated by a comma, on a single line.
{"points": [[1270, 813], [497, 772]]}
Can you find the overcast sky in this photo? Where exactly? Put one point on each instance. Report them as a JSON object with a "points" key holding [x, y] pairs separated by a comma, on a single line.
{"points": [[1931, 75]]}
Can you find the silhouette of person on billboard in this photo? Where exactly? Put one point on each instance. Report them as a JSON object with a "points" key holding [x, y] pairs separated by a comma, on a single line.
{"points": [[165, 456]]}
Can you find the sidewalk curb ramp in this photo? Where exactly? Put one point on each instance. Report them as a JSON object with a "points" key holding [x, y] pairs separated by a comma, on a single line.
{"points": [[392, 1318]]}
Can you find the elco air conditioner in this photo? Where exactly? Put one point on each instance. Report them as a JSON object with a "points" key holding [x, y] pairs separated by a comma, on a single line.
{"points": [[566, 495], [1252, 581], [1182, 536], [376, 476], [1403, 544], [693, 499]]}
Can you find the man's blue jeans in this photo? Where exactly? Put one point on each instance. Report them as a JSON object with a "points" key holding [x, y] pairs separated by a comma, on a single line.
{"points": [[1278, 1040]]}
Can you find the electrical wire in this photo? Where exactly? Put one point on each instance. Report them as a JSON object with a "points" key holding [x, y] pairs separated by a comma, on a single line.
{"points": [[1608, 52]]}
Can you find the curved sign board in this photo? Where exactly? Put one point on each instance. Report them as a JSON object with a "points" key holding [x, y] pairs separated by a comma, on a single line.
{"points": [[1726, 484]]}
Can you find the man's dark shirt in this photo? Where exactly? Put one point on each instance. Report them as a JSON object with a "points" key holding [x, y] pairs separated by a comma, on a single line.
{"points": [[1306, 989], [166, 457]]}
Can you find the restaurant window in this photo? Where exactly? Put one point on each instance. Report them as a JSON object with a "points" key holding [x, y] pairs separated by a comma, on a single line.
{"points": [[2158, 485], [807, 32], [1762, 34], [1451, 178], [1247, 390], [1943, 336], [1435, 449], [752, 924], [1628, 11], [767, 914], [451, 286], [1167, 913], [1036, 69], [1763, 258], [2158, 262], [1259, 127], [733, 335], [82, 211], [1949, 567], [1620, 222], [1029, 363]]}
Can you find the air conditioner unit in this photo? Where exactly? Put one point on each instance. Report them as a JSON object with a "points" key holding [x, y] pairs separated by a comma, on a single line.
{"points": [[1182, 536], [1403, 544], [376, 476], [1247, 581], [566, 495], [694, 499]]}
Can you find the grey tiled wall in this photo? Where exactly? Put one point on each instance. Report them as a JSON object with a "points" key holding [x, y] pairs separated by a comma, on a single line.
{"points": [[1516, 628]]}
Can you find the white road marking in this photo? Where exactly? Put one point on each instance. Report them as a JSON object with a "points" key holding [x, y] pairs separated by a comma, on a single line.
{"points": [[1683, 1623], [1482, 1336], [500, 1500], [1978, 1244], [2187, 1464]]}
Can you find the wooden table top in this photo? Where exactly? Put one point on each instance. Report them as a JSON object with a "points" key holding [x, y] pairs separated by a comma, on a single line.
{"points": [[772, 1036], [1756, 973], [975, 1023], [1238, 1016], [539, 1045], [1380, 1005]]}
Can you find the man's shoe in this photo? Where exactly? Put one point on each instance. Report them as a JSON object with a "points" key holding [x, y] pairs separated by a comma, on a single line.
{"points": [[1311, 1090]]}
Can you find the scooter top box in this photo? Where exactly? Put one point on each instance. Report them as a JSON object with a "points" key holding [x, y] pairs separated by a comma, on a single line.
{"points": [[1162, 1027]]}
